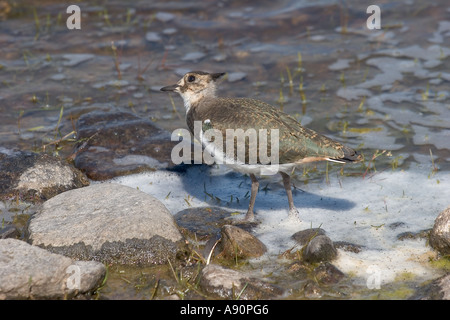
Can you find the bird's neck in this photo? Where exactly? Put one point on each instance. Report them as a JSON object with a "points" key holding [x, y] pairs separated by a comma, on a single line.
{"points": [[192, 99]]}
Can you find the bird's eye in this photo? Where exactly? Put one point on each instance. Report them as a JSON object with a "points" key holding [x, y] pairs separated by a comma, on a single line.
{"points": [[191, 78]]}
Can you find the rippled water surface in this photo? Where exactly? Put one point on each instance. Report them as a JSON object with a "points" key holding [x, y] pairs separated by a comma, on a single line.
{"points": [[384, 92]]}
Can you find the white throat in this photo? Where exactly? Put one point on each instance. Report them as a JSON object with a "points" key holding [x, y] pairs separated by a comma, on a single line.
{"points": [[191, 98]]}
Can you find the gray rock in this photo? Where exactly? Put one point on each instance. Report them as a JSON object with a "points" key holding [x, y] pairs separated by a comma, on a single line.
{"points": [[328, 274], [438, 289], [236, 76], [27, 271], [202, 221], [109, 223], [74, 59], [319, 249], [304, 236], [152, 37], [440, 234], [36, 177], [238, 243], [193, 56], [231, 284], [118, 143]]}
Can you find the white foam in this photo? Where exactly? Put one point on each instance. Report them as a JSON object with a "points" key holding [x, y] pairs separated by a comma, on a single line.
{"points": [[352, 209]]}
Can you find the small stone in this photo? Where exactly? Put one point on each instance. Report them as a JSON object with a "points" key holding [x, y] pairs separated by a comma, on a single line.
{"points": [[152, 37], [311, 290], [236, 76], [304, 236], [202, 221], [231, 284], [76, 58], [319, 249], [193, 56], [239, 243], [347, 246], [164, 16], [440, 234], [328, 274]]}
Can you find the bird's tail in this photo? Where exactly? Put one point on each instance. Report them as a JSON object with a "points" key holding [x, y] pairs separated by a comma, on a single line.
{"points": [[350, 155]]}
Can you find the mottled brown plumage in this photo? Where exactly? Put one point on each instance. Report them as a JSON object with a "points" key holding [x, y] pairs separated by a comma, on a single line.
{"points": [[297, 144]]}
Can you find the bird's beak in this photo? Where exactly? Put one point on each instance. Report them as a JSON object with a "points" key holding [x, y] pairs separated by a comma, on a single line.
{"points": [[170, 88]]}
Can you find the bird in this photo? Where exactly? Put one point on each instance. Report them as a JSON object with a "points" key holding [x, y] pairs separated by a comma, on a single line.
{"points": [[296, 145]]}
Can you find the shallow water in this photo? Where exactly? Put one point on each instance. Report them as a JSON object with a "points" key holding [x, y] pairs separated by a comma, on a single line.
{"points": [[384, 92]]}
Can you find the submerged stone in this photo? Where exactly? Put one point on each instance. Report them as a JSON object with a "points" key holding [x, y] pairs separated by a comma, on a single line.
{"points": [[119, 143], [231, 284]]}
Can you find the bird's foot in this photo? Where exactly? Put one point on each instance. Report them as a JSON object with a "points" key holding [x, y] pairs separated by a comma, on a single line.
{"points": [[294, 215], [249, 219]]}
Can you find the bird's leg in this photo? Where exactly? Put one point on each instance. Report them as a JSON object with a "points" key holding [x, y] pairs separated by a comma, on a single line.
{"points": [[255, 185], [293, 212]]}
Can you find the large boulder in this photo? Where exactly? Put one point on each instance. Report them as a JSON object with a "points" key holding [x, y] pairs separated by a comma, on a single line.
{"points": [[109, 223], [29, 272]]}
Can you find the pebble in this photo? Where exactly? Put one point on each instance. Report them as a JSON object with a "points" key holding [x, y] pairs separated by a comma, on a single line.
{"points": [[319, 249], [236, 76], [238, 243], [152, 37], [75, 59], [193, 56], [226, 283], [440, 234]]}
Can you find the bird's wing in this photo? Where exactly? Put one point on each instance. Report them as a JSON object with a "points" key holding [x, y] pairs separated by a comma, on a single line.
{"points": [[296, 143]]}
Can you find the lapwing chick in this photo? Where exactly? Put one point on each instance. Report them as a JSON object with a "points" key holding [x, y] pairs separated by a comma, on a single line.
{"points": [[274, 132]]}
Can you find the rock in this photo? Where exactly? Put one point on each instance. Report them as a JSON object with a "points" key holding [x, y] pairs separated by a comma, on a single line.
{"points": [[408, 235], [152, 37], [193, 56], [319, 249], [36, 177], [304, 236], [119, 143], [311, 290], [9, 231], [328, 274], [109, 223], [203, 222], [236, 76], [298, 270], [440, 234], [29, 272], [348, 246], [74, 59], [230, 284], [438, 289], [238, 243]]}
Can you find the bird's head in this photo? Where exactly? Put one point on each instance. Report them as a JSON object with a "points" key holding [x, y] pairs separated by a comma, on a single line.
{"points": [[194, 86]]}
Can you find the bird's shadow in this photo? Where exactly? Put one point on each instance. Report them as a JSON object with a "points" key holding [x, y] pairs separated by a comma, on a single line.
{"points": [[219, 186]]}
